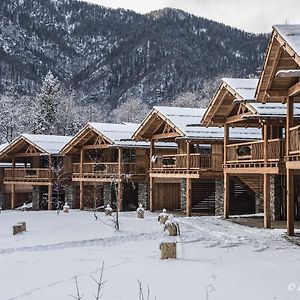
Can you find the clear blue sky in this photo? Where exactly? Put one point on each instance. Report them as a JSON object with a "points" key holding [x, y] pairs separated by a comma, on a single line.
{"points": [[250, 15]]}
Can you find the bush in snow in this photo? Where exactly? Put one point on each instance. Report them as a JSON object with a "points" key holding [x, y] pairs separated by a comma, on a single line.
{"points": [[140, 212], [108, 210], [172, 226], [163, 216]]}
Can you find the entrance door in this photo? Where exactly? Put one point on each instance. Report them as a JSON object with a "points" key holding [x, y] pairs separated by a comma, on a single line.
{"points": [[166, 195]]}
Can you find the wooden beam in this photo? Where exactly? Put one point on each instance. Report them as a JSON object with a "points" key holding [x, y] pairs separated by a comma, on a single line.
{"points": [[289, 122], [151, 188], [92, 147], [267, 206], [265, 135], [187, 156], [226, 141], [274, 68], [120, 194], [226, 195], [81, 182], [165, 136], [188, 197], [294, 90], [13, 196], [237, 118], [290, 201], [49, 197]]}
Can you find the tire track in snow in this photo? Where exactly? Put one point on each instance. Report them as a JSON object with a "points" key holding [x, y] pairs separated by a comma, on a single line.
{"points": [[105, 242]]}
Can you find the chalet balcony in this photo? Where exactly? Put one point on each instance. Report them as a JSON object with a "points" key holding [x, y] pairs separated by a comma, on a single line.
{"points": [[107, 170], [254, 154], [294, 142], [24, 175], [180, 163]]}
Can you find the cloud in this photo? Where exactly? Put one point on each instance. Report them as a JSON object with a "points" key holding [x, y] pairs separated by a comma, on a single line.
{"points": [[252, 16]]}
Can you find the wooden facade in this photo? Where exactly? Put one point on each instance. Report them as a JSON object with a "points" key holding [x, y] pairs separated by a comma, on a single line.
{"points": [[28, 165], [279, 82], [98, 159], [196, 163]]}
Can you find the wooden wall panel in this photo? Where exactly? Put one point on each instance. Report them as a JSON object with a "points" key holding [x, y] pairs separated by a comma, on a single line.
{"points": [[166, 195]]}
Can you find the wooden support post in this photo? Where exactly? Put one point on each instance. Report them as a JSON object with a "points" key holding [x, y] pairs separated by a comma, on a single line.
{"points": [[49, 196], [13, 187], [188, 197], [265, 136], [81, 180], [226, 141], [13, 196], [187, 156], [120, 189], [290, 201], [50, 167], [151, 180], [226, 195], [267, 207], [289, 122]]}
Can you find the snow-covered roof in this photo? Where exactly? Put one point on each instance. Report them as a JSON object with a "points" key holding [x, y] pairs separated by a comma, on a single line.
{"points": [[181, 117], [291, 34], [217, 133], [50, 144], [244, 87], [3, 146]]}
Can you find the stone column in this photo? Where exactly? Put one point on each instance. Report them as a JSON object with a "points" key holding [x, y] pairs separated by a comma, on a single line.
{"points": [[36, 197], [259, 202], [275, 194], [143, 194], [219, 197], [106, 194], [183, 194], [70, 196]]}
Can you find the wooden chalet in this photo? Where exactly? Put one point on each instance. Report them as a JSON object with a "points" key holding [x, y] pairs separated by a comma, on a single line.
{"points": [[259, 164], [279, 82], [192, 178], [32, 170], [109, 166]]}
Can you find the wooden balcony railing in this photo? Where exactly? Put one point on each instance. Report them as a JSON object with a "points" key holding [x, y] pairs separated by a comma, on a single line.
{"points": [[294, 140], [107, 169], [27, 174], [254, 151], [196, 161]]}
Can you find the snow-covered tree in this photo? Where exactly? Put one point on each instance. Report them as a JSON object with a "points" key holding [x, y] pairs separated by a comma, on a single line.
{"points": [[132, 110], [47, 101]]}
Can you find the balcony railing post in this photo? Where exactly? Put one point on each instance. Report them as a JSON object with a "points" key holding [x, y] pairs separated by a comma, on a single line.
{"points": [[289, 122], [265, 135]]}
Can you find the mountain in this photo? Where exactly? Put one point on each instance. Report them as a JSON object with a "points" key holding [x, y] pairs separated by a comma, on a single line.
{"points": [[108, 55]]}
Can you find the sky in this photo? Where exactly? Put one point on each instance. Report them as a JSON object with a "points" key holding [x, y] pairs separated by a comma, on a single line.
{"points": [[249, 15]]}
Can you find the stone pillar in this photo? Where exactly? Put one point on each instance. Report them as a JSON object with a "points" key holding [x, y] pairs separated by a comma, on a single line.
{"points": [[143, 194], [259, 202], [36, 197], [70, 196], [183, 194], [275, 194], [106, 194], [219, 197]]}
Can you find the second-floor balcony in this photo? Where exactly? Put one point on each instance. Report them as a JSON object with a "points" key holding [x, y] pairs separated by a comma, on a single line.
{"points": [[107, 170], [250, 153], [28, 175], [183, 163], [294, 141]]}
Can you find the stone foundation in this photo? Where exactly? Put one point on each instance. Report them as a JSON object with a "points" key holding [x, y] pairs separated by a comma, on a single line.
{"points": [[183, 194], [143, 195], [70, 196], [275, 194], [259, 203], [219, 197], [106, 193], [36, 197]]}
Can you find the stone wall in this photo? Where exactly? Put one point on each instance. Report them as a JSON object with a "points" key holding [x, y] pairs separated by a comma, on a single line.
{"points": [[70, 196], [183, 194], [275, 194], [106, 193], [259, 203], [219, 197], [36, 197], [143, 195]]}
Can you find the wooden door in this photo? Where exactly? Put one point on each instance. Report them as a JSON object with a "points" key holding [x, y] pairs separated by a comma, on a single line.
{"points": [[166, 195]]}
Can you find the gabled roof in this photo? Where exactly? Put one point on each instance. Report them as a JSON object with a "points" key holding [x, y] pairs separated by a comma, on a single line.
{"points": [[186, 123], [112, 135], [167, 123], [222, 102], [283, 53], [46, 144]]}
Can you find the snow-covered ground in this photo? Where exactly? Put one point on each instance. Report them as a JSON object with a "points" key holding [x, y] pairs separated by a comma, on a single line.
{"points": [[216, 259]]}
